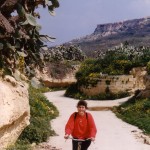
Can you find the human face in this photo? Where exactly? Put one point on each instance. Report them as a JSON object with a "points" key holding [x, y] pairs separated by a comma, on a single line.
{"points": [[81, 109]]}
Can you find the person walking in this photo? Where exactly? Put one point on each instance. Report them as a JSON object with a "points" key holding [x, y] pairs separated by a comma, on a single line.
{"points": [[81, 127]]}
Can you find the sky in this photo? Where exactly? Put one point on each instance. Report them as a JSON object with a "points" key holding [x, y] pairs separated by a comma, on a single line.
{"points": [[78, 18]]}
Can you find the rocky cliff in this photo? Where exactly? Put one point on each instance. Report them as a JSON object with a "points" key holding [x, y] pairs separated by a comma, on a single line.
{"points": [[14, 110], [135, 26], [135, 32], [56, 75]]}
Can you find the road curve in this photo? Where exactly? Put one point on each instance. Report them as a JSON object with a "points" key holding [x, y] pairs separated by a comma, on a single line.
{"points": [[113, 133]]}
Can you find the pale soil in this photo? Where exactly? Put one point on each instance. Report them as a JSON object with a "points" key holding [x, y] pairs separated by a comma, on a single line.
{"points": [[113, 133]]}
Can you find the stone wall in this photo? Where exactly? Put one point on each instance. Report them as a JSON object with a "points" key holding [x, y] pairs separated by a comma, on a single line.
{"points": [[118, 83], [14, 110]]}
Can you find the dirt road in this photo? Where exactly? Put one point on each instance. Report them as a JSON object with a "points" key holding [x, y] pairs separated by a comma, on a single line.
{"points": [[113, 133]]}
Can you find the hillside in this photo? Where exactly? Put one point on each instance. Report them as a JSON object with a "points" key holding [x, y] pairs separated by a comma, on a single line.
{"points": [[135, 32]]}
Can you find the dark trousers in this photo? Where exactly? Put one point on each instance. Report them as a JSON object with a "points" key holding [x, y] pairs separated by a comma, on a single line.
{"points": [[80, 145]]}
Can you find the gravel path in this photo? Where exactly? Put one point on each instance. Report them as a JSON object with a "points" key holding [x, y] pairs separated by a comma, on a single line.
{"points": [[113, 133]]}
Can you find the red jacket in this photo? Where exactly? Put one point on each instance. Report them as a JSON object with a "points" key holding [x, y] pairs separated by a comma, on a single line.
{"points": [[81, 127]]}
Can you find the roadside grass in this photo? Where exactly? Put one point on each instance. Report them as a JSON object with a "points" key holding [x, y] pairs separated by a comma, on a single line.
{"points": [[42, 112], [100, 108], [135, 111]]}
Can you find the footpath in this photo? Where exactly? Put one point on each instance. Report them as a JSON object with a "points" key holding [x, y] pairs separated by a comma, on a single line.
{"points": [[113, 133]]}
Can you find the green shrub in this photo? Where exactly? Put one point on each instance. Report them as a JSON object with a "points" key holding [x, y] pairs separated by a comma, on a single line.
{"points": [[20, 145], [43, 89], [108, 82], [74, 92], [137, 112], [73, 88], [42, 111], [148, 67], [109, 96]]}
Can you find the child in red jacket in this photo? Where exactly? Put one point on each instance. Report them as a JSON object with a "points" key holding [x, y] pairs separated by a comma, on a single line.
{"points": [[81, 126]]}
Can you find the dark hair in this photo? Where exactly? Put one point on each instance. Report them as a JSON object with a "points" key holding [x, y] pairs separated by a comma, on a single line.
{"points": [[83, 103]]}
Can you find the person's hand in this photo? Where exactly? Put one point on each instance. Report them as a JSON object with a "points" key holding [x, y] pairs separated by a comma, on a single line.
{"points": [[66, 136]]}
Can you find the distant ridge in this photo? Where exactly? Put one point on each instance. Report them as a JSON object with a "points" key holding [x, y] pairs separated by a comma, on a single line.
{"points": [[135, 32]]}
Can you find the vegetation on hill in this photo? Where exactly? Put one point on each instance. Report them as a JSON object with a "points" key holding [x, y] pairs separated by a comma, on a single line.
{"points": [[62, 60], [62, 53], [117, 61]]}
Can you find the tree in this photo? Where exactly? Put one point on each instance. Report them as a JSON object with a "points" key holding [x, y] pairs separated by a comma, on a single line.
{"points": [[20, 40]]}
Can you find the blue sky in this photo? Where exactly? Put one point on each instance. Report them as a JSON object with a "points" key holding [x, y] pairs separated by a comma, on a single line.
{"points": [[78, 18]]}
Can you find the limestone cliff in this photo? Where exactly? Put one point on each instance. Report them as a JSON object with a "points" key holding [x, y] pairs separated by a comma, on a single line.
{"points": [[135, 32], [14, 110], [63, 78], [135, 26]]}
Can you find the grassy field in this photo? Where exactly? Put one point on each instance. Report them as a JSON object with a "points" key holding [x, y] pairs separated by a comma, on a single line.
{"points": [[136, 111]]}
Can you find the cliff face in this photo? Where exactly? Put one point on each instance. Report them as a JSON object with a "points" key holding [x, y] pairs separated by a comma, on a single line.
{"points": [[135, 32], [130, 26], [14, 110], [63, 76]]}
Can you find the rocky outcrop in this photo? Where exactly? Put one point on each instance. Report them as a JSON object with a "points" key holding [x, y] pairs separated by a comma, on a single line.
{"points": [[14, 110], [139, 73], [129, 26], [146, 92], [147, 82], [142, 79], [64, 80]]}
